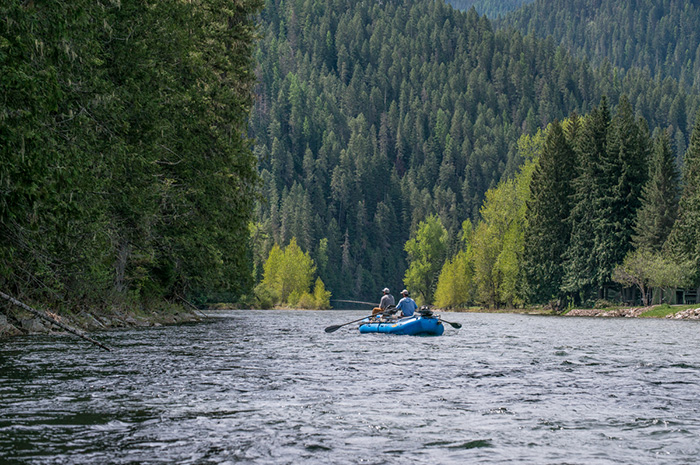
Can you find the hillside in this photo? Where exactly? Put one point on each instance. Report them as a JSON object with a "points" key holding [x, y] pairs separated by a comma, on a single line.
{"points": [[490, 8], [659, 35], [370, 117]]}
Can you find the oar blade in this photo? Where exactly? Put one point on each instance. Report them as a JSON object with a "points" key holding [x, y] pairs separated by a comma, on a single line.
{"points": [[333, 328], [454, 325]]}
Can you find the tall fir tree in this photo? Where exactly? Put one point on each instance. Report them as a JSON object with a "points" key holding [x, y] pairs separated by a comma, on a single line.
{"points": [[684, 239], [623, 173], [581, 275], [548, 232], [660, 196]]}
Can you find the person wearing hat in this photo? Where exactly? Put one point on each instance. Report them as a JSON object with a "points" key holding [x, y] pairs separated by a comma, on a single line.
{"points": [[407, 305], [386, 302]]}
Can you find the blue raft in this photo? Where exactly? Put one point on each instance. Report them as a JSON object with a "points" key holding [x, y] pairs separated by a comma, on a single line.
{"points": [[416, 325]]}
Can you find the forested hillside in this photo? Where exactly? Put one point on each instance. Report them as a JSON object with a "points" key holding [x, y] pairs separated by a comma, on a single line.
{"points": [[370, 117], [659, 35], [126, 174], [490, 8]]}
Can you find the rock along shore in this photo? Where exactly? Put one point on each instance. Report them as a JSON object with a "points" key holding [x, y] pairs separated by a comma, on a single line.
{"points": [[635, 312], [15, 322]]}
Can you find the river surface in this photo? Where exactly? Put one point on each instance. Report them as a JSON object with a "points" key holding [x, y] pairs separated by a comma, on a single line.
{"points": [[271, 387]]}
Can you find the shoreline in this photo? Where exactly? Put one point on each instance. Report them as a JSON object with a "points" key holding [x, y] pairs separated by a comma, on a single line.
{"points": [[14, 322], [18, 322], [677, 312]]}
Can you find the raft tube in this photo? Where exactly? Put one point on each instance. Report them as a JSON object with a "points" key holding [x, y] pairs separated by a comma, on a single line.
{"points": [[411, 326]]}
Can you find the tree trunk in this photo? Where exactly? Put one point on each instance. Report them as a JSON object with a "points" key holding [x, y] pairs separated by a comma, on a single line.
{"points": [[51, 320]]}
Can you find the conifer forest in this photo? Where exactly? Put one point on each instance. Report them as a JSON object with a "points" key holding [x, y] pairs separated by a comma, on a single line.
{"points": [[478, 153]]}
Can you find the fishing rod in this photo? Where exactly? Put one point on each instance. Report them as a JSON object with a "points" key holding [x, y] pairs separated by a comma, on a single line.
{"points": [[355, 302]]}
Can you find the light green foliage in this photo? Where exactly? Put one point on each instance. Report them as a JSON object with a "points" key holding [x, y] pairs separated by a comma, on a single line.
{"points": [[322, 297], [531, 147], [455, 286], [499, 242], [455, 283], [426, 250], [668, 273], [636, 271], [288, 272], [645, 269]]}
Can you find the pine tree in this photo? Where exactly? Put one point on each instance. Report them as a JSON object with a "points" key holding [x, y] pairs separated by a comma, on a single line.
{"points": [[548, 232], [623, 173], [684, 239], [582, 265], [660, 196]]}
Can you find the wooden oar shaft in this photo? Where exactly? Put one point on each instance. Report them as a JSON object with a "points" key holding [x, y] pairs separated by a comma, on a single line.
{"points": [[46, 317]]}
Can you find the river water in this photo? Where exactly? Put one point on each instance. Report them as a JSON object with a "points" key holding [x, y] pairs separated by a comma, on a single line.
{"points": [[271, 387]]}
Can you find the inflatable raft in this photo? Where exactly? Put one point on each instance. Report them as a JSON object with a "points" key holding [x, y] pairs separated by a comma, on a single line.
{"points": [[417, 325]]}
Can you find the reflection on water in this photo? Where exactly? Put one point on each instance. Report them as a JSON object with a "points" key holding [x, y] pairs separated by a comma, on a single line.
{"points": [[271, 387]]}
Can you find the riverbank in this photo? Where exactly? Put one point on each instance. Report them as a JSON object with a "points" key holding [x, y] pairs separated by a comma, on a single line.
{"points": [[15, 321], [675, 312]]}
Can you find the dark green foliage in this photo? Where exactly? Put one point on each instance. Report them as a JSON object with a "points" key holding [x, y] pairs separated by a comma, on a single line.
{"points": [[548, 231], [624, 173], [659, 35], [490, 8], [684, 239], [583, 270], [659, 207], [389, 112], [124, 162], [612, 159]]}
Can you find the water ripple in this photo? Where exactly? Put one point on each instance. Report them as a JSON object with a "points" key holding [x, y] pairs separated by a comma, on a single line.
{"points": [[274, 388]]}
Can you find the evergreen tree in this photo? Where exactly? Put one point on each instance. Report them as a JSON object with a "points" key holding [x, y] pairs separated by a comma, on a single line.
{"points": [[684, 239], [623, 173], [417, 107], [660, 196], [547, 232], [582, 271], [125, 165]]}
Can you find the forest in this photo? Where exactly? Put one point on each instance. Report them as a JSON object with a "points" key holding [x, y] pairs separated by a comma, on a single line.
{"points": [[127, 176], [371, 118], [195, 150], [658, 36]]}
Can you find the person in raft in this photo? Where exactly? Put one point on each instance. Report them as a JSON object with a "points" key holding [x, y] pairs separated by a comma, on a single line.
{"points": [[407, 305], [386, 302]]}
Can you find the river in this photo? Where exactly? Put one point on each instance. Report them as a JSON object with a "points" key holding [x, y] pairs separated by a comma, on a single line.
{"points": [[271, 387]]}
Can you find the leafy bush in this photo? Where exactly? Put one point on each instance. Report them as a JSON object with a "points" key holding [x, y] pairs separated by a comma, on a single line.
{"points": [[265, 296]]}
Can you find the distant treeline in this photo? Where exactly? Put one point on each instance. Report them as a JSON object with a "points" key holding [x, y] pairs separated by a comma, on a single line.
{"points": [[126, 172], [372, 116], [661, 36], [490, 8]]}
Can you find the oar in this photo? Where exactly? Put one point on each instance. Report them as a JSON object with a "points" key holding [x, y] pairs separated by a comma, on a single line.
{"points": [[454, 325], [332, 328]]}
